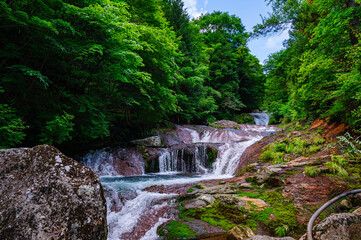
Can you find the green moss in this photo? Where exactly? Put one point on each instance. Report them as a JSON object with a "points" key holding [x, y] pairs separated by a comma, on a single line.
{"points": [[312, 171], [243, 118], [198, 186], [176, 230], [283, 209], [190, 190], [275, 151], [212, 155], [217, 214]]}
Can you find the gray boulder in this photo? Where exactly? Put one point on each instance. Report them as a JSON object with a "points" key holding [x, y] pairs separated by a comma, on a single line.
{"points": [[339, 226], [46, 195]]}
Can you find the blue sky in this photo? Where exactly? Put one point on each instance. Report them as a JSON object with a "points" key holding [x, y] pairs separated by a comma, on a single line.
{"points": [[249, 11]]}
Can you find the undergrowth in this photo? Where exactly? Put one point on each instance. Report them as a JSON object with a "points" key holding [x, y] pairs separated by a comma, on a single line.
{"points": [[276, 151]]}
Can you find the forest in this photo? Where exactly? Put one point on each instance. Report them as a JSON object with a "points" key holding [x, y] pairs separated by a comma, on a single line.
{"points": [[90, 73]]}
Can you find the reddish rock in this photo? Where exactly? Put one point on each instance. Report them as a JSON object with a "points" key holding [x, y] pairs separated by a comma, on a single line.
{"points": [[306, 191], [128, 162]]}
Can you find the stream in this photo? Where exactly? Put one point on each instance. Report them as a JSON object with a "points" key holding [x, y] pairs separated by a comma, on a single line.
{"points": [[135, 213]]}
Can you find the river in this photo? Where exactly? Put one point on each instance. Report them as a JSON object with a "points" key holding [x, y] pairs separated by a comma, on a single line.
{"points": [[135, 213]]}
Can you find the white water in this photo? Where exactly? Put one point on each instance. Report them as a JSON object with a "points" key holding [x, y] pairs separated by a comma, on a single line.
{"points": [[261, 118], [124, 217], [101, 161], [125, 220]]}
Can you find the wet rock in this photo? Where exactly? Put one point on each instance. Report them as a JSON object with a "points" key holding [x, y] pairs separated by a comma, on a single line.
{"points": [[338, 227], [128, 162], [46, 195], [154, 141], [240, 232], [115, 161], [258, 237]]}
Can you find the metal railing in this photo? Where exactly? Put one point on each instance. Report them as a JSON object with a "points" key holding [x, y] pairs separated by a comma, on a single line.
{"points": [[321, 209]]}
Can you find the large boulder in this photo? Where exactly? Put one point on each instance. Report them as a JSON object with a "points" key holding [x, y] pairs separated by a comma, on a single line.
{"points": [[338, 227], [46, 195]]}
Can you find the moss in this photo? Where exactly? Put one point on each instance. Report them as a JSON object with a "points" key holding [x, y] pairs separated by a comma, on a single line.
{"points": [[212, 155], [190, 190], [283, 209], [217, 214], [198, 186], [275, 151], [243, 118], [176, 230], [312, 171]]}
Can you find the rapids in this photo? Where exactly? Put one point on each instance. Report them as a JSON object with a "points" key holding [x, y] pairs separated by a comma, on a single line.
{"points": [[134, 213]]}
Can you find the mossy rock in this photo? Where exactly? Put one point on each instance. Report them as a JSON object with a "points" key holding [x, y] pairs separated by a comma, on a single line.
{"points": [[176, 230]]}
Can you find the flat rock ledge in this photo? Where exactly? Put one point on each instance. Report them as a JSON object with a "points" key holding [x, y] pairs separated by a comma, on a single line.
{"points": [[46, 195]]}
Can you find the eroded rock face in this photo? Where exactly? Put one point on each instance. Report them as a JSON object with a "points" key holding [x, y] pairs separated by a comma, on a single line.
{"points": [[46, 195]]}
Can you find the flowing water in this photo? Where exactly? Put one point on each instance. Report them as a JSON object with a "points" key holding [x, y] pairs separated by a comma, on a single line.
{"points": [[261, 118], [134, 213]]}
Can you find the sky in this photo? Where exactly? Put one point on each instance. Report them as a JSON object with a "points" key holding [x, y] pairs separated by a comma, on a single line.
{"points": [[250, 12]]}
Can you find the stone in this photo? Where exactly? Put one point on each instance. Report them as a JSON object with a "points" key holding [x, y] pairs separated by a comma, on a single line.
{"points": [[154, 141], [345, 204], [259, 237], [338, 227], [46, 195], [240, 232], [249, 203], [357, 211], [194, 203], [356, 199], [265, 173], [225, 124], [209, 199], [245, 185]]}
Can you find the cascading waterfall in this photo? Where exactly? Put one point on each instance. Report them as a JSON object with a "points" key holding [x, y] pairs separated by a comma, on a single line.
{"points": [[261, 118], [101, 161], [176, 161], [135, 214]]}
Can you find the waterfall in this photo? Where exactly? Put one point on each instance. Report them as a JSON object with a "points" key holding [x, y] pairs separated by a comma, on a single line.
{"points": [[145, 206], [178, 160], [133, 211], [101, 161], [261, 118]]}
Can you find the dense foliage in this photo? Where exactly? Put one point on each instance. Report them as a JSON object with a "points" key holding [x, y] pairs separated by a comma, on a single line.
{"points": [[318, 74], [91, 71]]}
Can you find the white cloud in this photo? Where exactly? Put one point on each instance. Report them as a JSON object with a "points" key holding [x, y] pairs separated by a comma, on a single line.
{"points": [[276, 42], [191, 6]]}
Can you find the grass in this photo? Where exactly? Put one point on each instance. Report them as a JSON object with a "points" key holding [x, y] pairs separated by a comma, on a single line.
{"points": [[312, 171], [176, 230], [275, 152]]}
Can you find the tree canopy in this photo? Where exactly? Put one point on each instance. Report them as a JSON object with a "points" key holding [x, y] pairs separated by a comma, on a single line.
{"points": [[81, 73], [318, 73]]}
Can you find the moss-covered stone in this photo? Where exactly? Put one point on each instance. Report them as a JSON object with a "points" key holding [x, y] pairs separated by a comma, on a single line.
{"points": [[176, 230]]}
